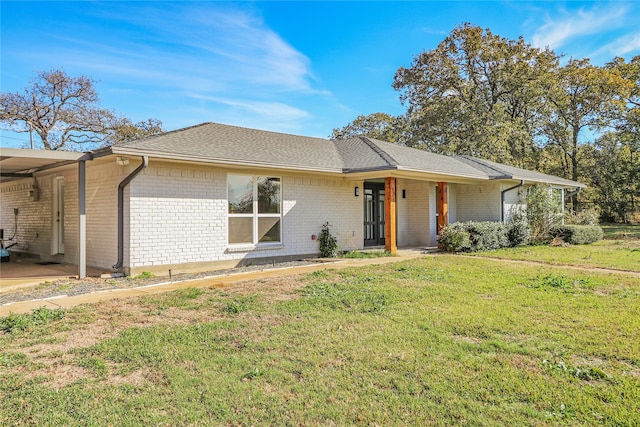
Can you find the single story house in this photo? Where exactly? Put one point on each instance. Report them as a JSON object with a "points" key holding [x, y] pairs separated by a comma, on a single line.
{"points": [[214, 196]]}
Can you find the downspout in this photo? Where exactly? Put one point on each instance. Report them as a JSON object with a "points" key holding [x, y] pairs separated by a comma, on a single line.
{"points": [[569, 194], [502, 193], [124, 183]]}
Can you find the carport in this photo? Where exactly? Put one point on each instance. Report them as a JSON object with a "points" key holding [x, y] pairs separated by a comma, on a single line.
{"points": [[16, 163]]}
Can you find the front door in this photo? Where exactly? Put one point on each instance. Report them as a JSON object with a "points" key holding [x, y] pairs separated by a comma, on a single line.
{"points": [[57, 240], [373, 214]]}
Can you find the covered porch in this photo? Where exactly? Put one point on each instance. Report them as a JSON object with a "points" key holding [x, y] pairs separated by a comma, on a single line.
{"points": [[401, 212], [22, 197], [409, 211]]}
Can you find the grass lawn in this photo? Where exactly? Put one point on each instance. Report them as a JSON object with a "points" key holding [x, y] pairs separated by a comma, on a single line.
{"points": [[443, 340], [620, 251], [621, 231]]}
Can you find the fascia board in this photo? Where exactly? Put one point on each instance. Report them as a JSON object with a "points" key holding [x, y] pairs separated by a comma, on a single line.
{"points": [[230, 163], [222, 162]]}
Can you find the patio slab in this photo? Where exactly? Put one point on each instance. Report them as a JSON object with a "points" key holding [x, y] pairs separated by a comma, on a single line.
{"points": [[25, 272]]}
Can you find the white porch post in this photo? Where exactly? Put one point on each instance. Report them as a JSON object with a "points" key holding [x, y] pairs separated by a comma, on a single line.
{"points": [[562, 204], [82, 221]]}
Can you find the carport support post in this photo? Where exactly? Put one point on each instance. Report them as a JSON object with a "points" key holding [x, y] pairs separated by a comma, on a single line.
{"points": [[390, 244], [82, 221], [443, 206]]}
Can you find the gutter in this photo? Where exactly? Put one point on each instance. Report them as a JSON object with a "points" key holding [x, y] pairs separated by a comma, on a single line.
{"points": [[223, 161], [121, 186], [502, 193], [572, 193]]}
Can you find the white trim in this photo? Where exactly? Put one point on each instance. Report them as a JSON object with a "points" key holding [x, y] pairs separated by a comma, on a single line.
{"points": [[254, 248]]}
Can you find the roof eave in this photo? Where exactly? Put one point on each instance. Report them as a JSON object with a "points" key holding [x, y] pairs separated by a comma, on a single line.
{"points": [[562, 183], [221, 161]]}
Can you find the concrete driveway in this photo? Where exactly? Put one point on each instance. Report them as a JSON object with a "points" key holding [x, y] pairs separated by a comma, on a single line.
{"points": [[30, 271]]}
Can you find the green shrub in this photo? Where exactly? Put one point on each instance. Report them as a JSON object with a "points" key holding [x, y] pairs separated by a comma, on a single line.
{"points": [[328, 243], [481, 236], [454, 238], [518, 233], [543, 212], [487, 235], [578, 234], [474, 236]]}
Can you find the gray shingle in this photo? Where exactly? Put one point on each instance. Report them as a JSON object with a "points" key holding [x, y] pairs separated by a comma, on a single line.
{"points": [[213, 142], [519, 173], [424, 161], [233, 144]]}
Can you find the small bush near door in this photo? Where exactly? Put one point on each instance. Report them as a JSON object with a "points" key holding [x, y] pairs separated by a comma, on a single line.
{"points": [[328, 243]]}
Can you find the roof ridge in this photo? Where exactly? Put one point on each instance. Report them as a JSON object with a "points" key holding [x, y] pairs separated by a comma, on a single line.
{"points": [[379, 151], [162, 134], [245, 128], [503, 173]]}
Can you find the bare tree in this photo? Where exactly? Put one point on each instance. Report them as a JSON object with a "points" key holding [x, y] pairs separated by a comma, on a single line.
{"points": [[65, 111]]}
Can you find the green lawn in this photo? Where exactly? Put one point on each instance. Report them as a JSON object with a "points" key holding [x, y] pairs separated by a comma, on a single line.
{"points": [[620, 251], [621, 231], [612, 254], [443, 340]]}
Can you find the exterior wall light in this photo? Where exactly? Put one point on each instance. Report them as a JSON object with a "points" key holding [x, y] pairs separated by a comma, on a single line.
{"points": [[356, 191], [404, 194]]}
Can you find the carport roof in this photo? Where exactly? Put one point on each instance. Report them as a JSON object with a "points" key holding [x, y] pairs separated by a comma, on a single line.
{"points": [[18, 163]]}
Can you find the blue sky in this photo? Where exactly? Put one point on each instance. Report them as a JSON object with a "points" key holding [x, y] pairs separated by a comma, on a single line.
{"points": [[294, 67]]}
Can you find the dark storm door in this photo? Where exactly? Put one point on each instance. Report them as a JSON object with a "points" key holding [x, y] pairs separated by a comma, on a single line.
{"points": [[373, 214]]}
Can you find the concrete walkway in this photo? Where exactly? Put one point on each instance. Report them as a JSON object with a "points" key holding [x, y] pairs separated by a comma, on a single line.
{"points": [[64, 301]]}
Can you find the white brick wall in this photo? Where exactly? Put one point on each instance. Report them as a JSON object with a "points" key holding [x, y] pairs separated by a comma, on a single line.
{"points": [[102, 211], [179, 215], [34, 218], [416, 213], [477, 202], [176, 214], [514, 200]]}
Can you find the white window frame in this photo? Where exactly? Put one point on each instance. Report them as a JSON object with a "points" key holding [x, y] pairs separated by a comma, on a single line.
{"points": [[255, 214]]}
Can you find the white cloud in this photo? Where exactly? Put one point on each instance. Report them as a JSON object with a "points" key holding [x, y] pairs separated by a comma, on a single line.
{"points": [[273, 110], [624, 45], [186, 48], [227, 46], [557, 32], [186, 63]]}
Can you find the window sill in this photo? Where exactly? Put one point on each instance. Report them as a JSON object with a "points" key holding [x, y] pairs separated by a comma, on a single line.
{"points": [[255, 248]]}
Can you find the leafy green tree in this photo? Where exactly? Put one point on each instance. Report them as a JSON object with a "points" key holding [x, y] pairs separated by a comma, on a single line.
{"points": [[477, 94], [382, 126], [480, 94], [64, 112], [614, 174], [580, 97], [614, 177]]}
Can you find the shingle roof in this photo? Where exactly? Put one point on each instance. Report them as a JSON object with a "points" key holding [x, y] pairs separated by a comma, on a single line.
{"points": [[407, 158], [213, 142], [518, 173], [237, 145]]}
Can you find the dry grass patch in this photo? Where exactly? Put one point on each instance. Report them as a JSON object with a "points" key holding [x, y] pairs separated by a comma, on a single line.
{"points": [[446, 340]]}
